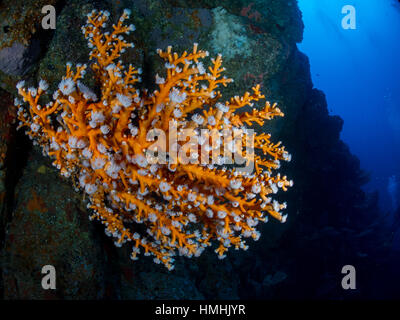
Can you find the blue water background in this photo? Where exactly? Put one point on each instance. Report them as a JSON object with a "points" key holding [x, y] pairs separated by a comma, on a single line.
{"points": [[359, 71]]}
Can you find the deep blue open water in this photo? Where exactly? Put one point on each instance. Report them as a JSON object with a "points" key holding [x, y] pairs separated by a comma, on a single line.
{"points": [[359, 71]]}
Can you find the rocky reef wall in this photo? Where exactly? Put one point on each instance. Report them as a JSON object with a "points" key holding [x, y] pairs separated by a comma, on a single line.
{"points": [[43, 221]]}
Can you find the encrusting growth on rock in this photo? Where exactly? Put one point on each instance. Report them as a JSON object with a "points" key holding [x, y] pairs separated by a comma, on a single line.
{"points": [[155, 171]]}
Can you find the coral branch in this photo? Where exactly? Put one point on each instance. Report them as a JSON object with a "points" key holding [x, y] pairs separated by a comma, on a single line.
{"points": [[160, 160]]}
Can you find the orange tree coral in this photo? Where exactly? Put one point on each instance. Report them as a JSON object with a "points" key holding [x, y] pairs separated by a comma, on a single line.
{"points": [[155, 165]]}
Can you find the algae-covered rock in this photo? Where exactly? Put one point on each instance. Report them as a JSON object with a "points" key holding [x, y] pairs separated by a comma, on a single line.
{"points": [[21, 38], [49, 226], [20, 20], [7, 120]]}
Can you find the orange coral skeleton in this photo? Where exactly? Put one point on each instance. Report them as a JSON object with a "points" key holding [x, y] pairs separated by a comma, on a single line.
{"points": [[102, 143]]}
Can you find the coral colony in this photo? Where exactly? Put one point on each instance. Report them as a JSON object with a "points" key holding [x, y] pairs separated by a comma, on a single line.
{"points": [[155, 172]]}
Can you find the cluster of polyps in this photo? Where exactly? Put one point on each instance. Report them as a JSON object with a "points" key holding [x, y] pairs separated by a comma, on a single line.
{"points": [[101, 142]]}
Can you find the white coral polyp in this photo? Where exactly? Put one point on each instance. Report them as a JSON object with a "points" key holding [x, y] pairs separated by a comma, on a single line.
{"points": [[177, 96], [67, 86], [124, 100]]}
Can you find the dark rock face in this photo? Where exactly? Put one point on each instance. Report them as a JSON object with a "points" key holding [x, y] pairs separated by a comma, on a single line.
{"points": [[55, 231], [45, 221], [14, 60]]}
